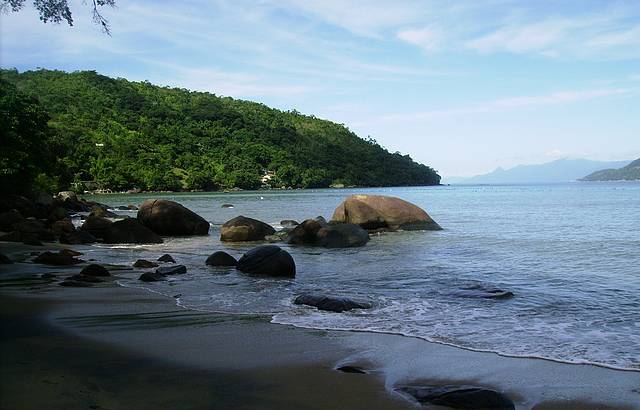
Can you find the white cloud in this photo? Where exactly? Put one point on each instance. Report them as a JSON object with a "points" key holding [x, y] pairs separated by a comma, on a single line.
{"points": [[428, 38]]}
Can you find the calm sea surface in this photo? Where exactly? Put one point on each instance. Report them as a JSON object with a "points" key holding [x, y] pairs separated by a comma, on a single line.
{"points": [[569, 252]]}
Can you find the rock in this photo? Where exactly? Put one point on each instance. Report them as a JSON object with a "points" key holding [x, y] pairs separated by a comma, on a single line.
{"points": [[482, 292], [167, 258], [221, 258], [96, 225], [34, 229], [144, 264], [9, 218], [343, 235], [4, 259], [306, 232], [151, 277], [459, 397], [56, 259], [129, 231], [69, 252], [31, 240], [23, 205], [351, 369], [170, 218], [102, 212], [57, 214], [70, 201], [85, 278], [330, 303], [94, 270], [77, 238], [376, 211], [62, 225], [242, 229], [289, 223], [268, 260], [227, 206], [67, 196], [75, 284], [279, 236], [172, 270]]}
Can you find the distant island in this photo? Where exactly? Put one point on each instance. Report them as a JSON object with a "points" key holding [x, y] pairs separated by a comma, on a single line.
{"points": [[561, 170], [630, 172], [89, 131]]}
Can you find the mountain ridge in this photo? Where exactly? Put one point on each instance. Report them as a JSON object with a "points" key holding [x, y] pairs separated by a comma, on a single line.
{"points": [[630, 172]]}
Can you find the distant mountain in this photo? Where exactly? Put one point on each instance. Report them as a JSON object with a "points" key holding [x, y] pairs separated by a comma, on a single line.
{"points": [[562, 170], [630, 172]]}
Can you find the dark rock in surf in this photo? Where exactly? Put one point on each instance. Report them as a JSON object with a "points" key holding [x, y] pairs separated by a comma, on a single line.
{"points": [[221, 258], [243, 229], [330, 303], [94, 270], [151, 277], [171, 218], [269, 260], [482, 292], [289, 223], [144, 264], [306, 232], [102, 212], [351, 369], [85, 278], [56, 259], [75, 284], [228, 206], [130, 231], [344, 235], [459, 397], [77, 238], [167, 258], [62, 226], [172, 270], [96, 225]]}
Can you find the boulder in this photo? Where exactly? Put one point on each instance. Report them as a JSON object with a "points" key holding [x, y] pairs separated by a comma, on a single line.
{"points": [[288, 223], [129, 231], [67, 196], [459, 397], [9, 218], [383, 212], [56, 259], [94, 270], [57, 213], [172, 270], [330, 303], [62, 226], [102, 211], [69, 252], [170, 218], [77, 238], [34, 229], [351, 369], [70, 201], [482, 292], [343, 235], [221, 258], [144, 264], [243, 229], [306, 232], [268, 260], [96, 225], [151, 277], [167, 258], [229, 206]]}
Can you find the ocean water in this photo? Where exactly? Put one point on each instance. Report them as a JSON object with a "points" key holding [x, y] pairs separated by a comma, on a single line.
{"points": [[570, 253]]}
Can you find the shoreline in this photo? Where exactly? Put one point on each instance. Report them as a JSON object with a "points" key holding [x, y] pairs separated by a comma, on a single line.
{"points": [[152, 327]]}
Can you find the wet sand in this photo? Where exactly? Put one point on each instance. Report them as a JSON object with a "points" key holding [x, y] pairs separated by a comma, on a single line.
{"points": [[110, 347]]}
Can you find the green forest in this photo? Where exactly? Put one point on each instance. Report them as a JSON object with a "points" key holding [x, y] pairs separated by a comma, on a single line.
{"points": [[69, 130]]}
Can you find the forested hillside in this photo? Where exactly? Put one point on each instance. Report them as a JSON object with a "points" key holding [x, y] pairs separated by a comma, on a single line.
{"points": [[122, 135]]}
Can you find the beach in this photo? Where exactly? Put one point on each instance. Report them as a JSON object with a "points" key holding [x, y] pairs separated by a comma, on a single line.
{"points": [[110, 347]]}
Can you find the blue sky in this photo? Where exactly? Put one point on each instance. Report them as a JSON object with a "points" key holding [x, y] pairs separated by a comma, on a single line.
{"points": [[462, 86]]}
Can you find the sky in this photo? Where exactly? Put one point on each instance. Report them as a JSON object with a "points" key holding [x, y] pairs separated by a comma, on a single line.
{"points": [[462, 86]]}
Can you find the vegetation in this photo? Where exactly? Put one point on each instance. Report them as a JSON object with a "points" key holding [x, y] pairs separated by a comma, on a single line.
{"points": [[123, 135], [58, 10], [630, 172]]}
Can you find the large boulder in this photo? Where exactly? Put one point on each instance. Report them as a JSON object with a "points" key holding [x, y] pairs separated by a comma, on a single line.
{"points": [[243, 229], [57, 259], [383, 212], [268, 260], [306, 233], [96, 225], [62, 226], [102, 211], [170, 218], [330, 303], [94, 270], [459, 397], [77, 238], [129, 231], [342, 236], [34, 229]]}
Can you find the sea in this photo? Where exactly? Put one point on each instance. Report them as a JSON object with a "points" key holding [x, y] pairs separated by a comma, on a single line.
{"points": [[569, 253]]}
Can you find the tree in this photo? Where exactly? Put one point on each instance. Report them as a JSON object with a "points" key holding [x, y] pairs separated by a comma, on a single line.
{"points": [[58, 10]]}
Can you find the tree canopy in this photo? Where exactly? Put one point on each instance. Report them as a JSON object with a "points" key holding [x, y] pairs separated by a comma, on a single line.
{"points": [[122, 135], [56, 11]]}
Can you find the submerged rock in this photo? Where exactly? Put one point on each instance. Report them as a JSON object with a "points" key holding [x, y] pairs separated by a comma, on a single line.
{"points": [[94, 270], [343, 235], [130, 231], [243, 229], [172, 270], [151, 277], [145, 264], [171, 218], [221, 258], [330, 303], [167, 258], [376, 211], [482, 292], [459, 397], [268, 260]]}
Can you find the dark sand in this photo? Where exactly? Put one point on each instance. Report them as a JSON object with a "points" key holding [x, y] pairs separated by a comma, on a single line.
{"points": [[111, 347]]}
